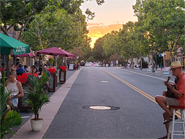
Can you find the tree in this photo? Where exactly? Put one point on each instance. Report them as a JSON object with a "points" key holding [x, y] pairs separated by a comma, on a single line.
{"points": [[85, 46], [140, 42], [127, 41], [19, 13], [164, 22], [77, 51], [98, 51], [109, 44], [56, 29]]}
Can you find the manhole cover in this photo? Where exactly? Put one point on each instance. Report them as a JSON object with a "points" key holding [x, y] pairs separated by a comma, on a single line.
{"points": [[100, 107], [94, 107], [104, 81]]}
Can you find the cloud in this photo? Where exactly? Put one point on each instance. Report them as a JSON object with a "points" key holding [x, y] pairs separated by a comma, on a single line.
{"points": [[100, 29], [97, 30]]}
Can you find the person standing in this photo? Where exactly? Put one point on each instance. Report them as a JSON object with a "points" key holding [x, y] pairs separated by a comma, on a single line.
{"points": [[15, 87], [178, 91]]}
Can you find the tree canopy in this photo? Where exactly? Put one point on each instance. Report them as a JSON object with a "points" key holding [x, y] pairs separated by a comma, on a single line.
{"points": [[160, 28]]}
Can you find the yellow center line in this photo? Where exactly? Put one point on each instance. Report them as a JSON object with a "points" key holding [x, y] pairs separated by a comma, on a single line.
{"points": [[137, 89]]}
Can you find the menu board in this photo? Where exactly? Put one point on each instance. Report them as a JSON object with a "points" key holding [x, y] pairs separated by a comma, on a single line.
{"points": [[71, 66]]}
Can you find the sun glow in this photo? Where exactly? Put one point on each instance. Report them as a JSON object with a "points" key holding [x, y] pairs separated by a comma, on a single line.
{"points": [[94, 37], [99, 30]]}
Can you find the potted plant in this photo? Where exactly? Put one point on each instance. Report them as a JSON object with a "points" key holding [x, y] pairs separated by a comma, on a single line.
{"points": [[36, 98], [8, 119]]}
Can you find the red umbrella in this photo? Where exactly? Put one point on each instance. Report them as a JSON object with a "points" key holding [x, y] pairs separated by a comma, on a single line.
{"points": [[55, 51], [23, 55]]}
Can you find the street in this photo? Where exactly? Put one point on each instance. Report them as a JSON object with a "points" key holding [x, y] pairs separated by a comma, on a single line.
{"points": [[138, 117], [91, 69]]}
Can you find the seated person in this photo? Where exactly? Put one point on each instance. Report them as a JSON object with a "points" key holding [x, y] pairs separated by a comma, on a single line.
{"points": [[15, 87], [49, 74], [179, 94], [13, 68], [34, 69], [20, 70], [2, 69], [26, 68]]}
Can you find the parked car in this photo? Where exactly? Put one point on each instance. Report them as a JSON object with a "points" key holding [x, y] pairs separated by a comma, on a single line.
{"points": [[82, 63]]}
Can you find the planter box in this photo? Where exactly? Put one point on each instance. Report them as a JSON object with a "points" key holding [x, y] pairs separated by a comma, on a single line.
{"points": [[62, 76]]}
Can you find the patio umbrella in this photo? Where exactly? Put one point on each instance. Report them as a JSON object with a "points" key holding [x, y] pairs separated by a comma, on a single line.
{"points": [[23, 55], [7, 43], [55, 51], [68, 54]]}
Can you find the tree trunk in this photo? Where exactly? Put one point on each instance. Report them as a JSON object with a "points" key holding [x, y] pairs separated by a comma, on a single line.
{"points": [[141, 63], [153, 66], [5, 31], [36, 116], [126, 64], [23, 27], [132, 63]]}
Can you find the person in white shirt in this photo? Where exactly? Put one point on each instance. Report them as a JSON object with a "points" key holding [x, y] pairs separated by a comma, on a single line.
{"points": [[15, 87]]}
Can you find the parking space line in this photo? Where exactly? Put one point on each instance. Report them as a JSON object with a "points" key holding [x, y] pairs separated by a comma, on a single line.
{"points": [[136, 89]]}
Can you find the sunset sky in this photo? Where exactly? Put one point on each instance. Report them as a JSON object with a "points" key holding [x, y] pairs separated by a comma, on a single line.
{"points": [[109, 16]]}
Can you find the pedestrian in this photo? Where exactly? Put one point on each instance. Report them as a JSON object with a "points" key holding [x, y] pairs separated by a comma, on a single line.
{"points": [[178, 91], [15, 87], [20, 70]]}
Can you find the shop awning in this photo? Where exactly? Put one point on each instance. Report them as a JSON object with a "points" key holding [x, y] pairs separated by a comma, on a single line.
{"points": [[7, 44], [24, 55]]}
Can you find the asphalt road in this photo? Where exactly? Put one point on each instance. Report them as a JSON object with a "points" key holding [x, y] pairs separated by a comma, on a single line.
{"points": [[138, 117]]}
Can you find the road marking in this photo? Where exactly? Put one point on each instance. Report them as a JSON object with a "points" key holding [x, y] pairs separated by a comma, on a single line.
{"points": [[25, 117], [100, 107], [149, 76], [104, 81], [137, 90]]}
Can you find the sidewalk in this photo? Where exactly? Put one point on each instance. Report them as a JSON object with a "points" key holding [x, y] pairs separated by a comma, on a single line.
{"points": [[48, 111]]}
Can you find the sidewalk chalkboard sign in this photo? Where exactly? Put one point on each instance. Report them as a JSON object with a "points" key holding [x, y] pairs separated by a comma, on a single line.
{"points": [[71, 66]]}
